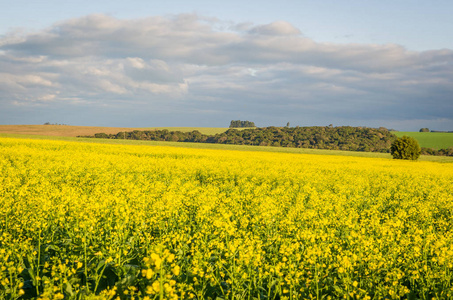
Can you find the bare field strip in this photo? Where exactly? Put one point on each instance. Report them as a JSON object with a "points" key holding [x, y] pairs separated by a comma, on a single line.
{"points": [[73, 131]]}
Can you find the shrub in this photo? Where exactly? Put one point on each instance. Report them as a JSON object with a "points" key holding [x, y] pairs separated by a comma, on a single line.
{"points": [[405, 148], [101, 135]]}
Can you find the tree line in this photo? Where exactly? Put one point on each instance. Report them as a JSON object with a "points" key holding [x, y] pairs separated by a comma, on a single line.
{"points": [[440, 152], [315, 137]]}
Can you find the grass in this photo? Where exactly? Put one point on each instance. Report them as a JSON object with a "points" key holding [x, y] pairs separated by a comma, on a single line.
{"points": [[436, 140], [225, 147]]}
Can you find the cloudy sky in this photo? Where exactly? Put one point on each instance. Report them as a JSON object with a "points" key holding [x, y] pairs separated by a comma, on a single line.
{"points": [[204, 63]]}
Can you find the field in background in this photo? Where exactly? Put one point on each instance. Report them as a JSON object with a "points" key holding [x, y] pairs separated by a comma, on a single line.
{"points": [[67, 130], [436, 140], [445, 159], [80, 219], [69, 133]]}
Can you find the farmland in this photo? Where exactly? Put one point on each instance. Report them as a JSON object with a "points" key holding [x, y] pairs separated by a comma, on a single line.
{"points": [[84, 219], [436, 140], [73, 131]]}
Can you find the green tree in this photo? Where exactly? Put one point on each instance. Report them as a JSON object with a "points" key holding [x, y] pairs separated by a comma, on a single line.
{"points": [[241, 124], [424, 129], [405, 148]]}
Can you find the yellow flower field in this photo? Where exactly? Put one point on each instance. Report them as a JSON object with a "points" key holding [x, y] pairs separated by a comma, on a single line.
{"points": [[93, 221]]}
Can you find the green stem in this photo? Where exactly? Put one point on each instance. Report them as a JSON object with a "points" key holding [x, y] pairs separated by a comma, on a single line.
{"points": [[85, 263], [317, 281], [39, 262], [98, 279]]}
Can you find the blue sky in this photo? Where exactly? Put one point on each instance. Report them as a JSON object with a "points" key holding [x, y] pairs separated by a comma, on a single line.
{"points": [[414, 24], [204, 63]]}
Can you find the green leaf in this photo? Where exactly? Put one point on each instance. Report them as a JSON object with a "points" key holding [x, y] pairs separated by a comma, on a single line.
{"points": [[68, 289], [52, 247], [100, 265]]}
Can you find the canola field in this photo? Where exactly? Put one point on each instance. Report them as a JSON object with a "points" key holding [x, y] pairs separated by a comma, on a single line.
{"points": [[95, 221]]}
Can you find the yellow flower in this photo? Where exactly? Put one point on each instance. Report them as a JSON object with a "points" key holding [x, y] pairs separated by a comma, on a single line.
{"points": [[148, 273], [176, 270], [156, 286]]}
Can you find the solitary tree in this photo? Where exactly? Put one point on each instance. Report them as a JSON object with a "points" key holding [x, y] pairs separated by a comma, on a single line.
{"points": [[424, 129], [405, 148]]}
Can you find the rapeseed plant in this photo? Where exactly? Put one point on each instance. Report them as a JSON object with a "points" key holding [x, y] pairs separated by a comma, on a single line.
{"points": [[92, 221]]}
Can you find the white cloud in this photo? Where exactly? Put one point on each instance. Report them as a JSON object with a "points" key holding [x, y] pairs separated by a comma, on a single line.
{"points": [[270, 71], [136, 62]]}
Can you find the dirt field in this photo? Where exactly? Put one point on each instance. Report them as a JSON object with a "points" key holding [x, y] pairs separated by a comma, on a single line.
{"points": [[62, 130], [73, 131]]}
